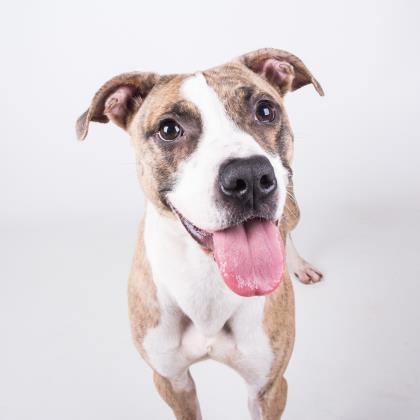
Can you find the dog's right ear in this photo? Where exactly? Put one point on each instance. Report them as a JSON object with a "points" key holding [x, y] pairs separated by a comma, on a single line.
{"points": [[117, 100]]}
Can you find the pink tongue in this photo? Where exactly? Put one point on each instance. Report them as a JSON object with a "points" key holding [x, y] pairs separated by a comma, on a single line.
{"points": [[250, 257]]}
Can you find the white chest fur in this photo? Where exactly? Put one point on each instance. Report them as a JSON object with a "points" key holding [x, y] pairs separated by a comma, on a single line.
{"points": [[188, 284], [185, 276]]}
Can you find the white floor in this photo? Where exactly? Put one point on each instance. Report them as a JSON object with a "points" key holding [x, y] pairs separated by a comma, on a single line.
{"points": [[66, 353]]}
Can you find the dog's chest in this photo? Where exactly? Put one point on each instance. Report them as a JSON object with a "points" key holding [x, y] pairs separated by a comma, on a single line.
{"points": [[187, 278]]}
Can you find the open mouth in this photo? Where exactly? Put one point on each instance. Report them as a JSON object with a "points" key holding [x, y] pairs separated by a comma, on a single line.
{"points": [[249, 255]]}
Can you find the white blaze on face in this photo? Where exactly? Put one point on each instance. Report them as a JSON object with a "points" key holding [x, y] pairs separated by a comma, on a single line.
{"points": [[194, 192]]}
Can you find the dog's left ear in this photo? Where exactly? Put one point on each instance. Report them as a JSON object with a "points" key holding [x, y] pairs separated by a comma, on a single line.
{"points": [[117, 100], [283, 70]]}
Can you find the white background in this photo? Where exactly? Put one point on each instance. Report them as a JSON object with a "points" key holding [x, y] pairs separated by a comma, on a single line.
{"points": [[69, 211]]}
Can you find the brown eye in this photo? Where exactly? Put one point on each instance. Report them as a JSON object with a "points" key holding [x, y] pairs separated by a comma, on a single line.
{"points": [[265, 112], [169, 130]]}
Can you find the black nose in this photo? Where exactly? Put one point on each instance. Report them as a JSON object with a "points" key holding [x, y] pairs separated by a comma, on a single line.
{"points": [[250, 179]]}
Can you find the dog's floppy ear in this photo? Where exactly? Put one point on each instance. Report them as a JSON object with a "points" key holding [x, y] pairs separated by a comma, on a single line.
{"points": [[280, 68], [117, 100]]}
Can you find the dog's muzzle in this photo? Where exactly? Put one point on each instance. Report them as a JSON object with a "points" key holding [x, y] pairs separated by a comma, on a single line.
{"points": [[247, 248]]}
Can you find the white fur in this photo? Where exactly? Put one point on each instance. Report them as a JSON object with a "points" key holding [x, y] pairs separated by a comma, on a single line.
{"points": [[194, 192], [189, 285]]}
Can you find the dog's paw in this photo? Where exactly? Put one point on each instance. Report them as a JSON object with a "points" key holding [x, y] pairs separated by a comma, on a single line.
{"points": [[307, 273]]}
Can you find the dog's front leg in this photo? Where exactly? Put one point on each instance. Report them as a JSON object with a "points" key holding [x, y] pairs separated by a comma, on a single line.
{"points": [[180, 394], [269, 404], [170, 360]]}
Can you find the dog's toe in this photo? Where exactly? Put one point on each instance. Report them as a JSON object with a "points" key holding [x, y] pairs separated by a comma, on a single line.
{"points": [[303, 277], [308, 274], [315, 275]]}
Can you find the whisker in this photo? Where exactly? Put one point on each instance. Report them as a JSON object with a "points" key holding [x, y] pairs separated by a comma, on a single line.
{"points": [[291, 196]]}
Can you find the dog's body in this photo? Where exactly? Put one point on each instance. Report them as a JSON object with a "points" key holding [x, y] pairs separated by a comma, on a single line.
{"points": [[214, 151]]}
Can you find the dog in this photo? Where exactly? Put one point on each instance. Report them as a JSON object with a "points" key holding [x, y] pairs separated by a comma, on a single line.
{"points": [[209, 281]]}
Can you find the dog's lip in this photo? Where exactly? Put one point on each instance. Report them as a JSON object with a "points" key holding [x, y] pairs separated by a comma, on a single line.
{"points": [[203, 237]]}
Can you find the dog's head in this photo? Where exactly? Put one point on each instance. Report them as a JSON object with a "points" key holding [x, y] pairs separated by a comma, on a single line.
{"points": [[214, 148]]}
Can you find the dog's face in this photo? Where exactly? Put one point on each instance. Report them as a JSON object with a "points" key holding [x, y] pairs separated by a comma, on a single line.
{"points": [[213, 148]]}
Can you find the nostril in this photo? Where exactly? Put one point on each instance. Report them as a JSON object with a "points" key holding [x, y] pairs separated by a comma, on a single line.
{"points": [[240, 186], [236, 187], [267, 183]]}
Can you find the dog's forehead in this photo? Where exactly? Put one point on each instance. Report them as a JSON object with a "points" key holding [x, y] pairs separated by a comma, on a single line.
{"points": [[197, 91], [225, 84], [165, 94]]}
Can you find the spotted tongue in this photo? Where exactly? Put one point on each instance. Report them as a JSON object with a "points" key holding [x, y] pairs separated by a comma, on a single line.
{"points": [[250, 257]]}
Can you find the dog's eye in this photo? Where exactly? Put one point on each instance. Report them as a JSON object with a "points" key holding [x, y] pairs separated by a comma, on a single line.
{"points": [[265, 111], [169, 130]]}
